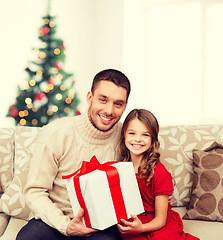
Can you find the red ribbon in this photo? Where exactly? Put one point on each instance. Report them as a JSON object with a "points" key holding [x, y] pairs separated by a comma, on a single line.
{"points": [[113, 182]]}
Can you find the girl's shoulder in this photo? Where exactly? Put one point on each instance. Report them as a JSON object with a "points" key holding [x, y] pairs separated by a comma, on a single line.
{"points": [[160, 166], [162, 180], [161, 169]]}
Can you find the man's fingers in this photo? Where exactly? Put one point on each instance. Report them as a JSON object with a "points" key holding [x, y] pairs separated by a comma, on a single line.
{"points": [[90, 231], [80, 214], [77, 228]]}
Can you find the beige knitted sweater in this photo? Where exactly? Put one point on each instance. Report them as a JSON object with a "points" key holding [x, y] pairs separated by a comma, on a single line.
{"points": [[61, 147]]}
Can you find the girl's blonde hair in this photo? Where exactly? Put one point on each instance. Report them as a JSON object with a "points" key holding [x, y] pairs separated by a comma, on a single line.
{"points": [[151, 156]]}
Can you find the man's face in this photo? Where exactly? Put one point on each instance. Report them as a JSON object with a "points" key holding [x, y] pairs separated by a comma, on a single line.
{"points": [[106, 105]]}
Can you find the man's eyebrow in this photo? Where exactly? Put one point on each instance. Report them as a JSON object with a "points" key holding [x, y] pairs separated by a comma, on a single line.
{"points": [[118, 100], [101, 95]]}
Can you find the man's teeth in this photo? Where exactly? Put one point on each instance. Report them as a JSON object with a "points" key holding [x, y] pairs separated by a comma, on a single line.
{"points": [[106, 119]]}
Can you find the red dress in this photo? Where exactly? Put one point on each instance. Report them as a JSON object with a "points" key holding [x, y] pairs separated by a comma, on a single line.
{"points": [[161, 184]]}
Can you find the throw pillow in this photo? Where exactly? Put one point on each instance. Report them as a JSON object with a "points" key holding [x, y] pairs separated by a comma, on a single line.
{"points": [[176, 145], [6, 157], [207, 199], [12, 201]]}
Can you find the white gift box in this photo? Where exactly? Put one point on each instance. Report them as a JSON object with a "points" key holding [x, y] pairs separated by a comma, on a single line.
{"points": [[104, 206]]}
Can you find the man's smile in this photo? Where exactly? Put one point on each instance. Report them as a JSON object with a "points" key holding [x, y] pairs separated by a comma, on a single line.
{"points": [[105, 119]]}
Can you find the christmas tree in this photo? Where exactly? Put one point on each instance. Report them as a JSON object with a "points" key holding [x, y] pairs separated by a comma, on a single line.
{"points": [[49, 92]]}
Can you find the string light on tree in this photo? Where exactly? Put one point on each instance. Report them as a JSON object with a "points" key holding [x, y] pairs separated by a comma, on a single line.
{"points": [[49, 92]]}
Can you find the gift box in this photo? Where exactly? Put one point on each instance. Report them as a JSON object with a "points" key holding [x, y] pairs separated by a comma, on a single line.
{"points": [[107, 192]]}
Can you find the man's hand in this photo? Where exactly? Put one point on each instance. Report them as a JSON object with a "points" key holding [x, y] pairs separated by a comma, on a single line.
{"points": [[77, 228]]}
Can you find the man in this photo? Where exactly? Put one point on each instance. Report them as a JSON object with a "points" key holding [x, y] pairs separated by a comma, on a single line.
{"points": [[60, 149]]}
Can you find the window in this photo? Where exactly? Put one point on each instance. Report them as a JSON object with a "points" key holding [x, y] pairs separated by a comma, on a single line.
{"points": [[174, 54]]}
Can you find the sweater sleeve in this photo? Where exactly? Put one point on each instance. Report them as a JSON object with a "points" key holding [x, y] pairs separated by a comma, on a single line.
{"points": [[42, 173]]}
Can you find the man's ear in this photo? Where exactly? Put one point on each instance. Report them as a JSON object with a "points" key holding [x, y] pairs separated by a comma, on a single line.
{"points": [[89, 98], [125, 105]]}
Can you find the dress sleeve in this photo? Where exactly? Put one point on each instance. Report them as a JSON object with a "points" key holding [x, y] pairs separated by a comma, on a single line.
{"points": [[162, 181]]}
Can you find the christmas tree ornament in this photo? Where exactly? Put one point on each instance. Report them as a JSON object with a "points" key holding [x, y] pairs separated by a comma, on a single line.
{"points": [[14, 112], [59, 65], [40, 96], [45, 30]]}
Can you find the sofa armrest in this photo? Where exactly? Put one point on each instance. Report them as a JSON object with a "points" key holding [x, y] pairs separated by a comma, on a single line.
{"points": [[4, 220]]}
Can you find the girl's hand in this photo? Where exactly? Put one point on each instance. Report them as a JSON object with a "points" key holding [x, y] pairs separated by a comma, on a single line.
{"points": [[159, 221], [134, 226]]}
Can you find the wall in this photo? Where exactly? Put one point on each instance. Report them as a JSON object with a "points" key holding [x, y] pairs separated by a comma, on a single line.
{"points": [[171, 50]]}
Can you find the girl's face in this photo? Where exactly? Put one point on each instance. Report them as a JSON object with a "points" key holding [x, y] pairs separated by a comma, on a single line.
{"points": [[137, 138]]}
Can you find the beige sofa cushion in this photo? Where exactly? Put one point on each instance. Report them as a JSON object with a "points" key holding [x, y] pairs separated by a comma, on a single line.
{"points": [[6, 157], [176, 145], [4, 220], [205, 230], [12, 202], [13, 228], [207, 199]]}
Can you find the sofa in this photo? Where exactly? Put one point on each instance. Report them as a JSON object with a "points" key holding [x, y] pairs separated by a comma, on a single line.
{"points": [[192, 154]]}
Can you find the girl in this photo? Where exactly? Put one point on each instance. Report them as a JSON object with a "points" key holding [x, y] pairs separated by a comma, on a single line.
{"points": [[139, 143]]}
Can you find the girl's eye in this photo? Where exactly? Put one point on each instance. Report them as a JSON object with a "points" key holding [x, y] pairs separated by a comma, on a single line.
{"points": [[146, 135], [131, 133]]}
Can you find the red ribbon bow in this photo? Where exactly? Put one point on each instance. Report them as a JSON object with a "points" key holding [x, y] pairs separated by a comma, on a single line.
{"points": [[113, 182]]}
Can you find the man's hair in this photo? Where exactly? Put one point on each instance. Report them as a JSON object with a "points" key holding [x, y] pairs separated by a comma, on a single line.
{"points": [[114, 76]]}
